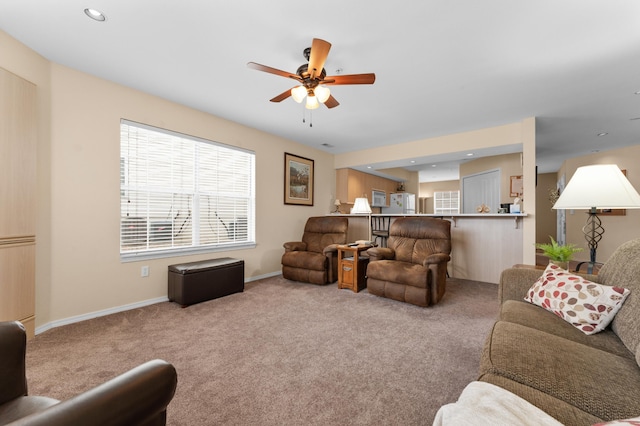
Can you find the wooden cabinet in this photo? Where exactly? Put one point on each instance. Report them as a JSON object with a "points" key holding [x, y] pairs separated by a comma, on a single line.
{"points": [[352, 267], [17, 199], [352, 184]]}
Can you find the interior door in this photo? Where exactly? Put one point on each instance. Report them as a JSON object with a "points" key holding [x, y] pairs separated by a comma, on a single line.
{"points": [[481, 188]]}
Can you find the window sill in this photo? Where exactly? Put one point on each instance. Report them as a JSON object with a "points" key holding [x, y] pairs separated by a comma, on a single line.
{"points": [[147, 255]]}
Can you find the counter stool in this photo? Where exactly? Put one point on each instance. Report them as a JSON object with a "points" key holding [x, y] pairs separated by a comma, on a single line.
{"points": [[380, 229]]}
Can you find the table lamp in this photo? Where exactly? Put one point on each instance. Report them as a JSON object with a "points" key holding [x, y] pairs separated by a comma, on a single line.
{"points": [[337, 204], [601, 186], [361, 206]]}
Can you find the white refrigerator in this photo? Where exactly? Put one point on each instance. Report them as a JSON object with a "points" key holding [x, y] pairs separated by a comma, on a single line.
{"points": [[401, 203]]}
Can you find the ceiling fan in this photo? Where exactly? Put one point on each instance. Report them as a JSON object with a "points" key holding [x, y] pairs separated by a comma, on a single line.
{"points": [[313, 78]]}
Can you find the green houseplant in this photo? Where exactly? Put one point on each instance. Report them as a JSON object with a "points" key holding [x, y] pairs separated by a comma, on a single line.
{"points": [[560, 254]]}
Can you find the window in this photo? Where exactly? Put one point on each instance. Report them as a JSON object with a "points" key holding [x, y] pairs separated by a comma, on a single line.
{"points": [[446, 202], [181, 194]]}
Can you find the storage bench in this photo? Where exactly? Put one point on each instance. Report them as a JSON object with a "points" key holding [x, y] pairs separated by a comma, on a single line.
{"points": [[196, 282]]}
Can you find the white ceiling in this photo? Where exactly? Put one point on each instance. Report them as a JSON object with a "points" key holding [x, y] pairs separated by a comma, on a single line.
{"points": [[441, 67]]}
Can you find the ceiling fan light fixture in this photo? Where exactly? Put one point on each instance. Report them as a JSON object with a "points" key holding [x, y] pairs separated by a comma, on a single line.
{"points": [[298, 93], [312, 102], [322, 93]]}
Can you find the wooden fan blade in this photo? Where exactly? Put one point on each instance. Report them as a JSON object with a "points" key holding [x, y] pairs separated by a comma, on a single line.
{"points": [[331, 102], [350, 79], [282, 96], [271, 70], [319, 53]]}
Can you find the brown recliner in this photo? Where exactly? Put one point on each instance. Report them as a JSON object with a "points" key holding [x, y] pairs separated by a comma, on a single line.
{"points": [[413, 266], [137, 397], [315, 258]]}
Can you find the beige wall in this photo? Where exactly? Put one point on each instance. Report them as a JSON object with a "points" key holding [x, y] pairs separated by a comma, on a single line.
{"points": [[618, 229], [546, 224], [508, 134], [78, 264]]}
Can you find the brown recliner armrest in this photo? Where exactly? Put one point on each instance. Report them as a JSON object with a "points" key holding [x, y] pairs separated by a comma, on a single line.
{"points": [[436, 258], [13, 346], [330, 249], [137, 397], [381, 253], [295, 246]]}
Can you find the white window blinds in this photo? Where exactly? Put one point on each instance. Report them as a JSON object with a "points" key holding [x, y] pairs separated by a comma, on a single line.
{"points": [[180, 193]]}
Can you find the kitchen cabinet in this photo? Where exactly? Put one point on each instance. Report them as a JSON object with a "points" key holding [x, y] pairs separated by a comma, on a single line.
{"points": [[352, 184]]}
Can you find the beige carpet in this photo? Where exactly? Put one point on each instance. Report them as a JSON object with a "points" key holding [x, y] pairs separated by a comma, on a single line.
{"points": [[283, 353]]}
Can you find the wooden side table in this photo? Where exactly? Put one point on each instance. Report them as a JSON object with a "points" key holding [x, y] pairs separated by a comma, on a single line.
{"points": [[352, 267]]}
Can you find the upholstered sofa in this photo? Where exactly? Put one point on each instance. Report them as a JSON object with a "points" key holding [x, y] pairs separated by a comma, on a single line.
{"points": [[578, 379], [137, 397]]}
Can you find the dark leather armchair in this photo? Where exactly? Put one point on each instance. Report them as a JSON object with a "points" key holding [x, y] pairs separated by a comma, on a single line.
{"points": [[315, 258], [413, 266], [137, 397]]}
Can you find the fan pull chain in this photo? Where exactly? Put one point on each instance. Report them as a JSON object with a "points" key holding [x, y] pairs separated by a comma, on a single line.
{"points": [[304, 116]]}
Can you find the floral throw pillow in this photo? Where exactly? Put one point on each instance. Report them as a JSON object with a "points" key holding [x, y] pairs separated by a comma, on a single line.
{"points": [[586, 305]]}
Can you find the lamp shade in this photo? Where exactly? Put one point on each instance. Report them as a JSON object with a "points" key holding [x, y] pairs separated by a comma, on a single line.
{"points": [[361, 206], [337, 202], [298, 93], [601, 186], [312, 102], [322, 93]]}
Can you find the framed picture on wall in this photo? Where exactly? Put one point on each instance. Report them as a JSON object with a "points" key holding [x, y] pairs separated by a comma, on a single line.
{"points": [[298, 180], [515, 189]]}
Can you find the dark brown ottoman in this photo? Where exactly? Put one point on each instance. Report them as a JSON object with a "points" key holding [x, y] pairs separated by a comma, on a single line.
{"points": [[196, 282]]}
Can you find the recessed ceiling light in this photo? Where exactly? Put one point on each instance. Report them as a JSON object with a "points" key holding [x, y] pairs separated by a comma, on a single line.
{"points": [[637, 93], [603, 134], [95, 14], [413, 161], [368, 167], [470, 154], [434, 165]]}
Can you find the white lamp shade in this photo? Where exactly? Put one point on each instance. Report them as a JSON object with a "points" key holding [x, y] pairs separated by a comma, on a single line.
{"points": [[322, 93], [312, 102], [602, 186], [298, 93], [337, 202], [361, 206]]}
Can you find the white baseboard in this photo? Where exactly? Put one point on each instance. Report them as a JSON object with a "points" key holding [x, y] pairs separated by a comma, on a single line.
{"points": [[260, 277], [114, 310], [96, 314]]}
